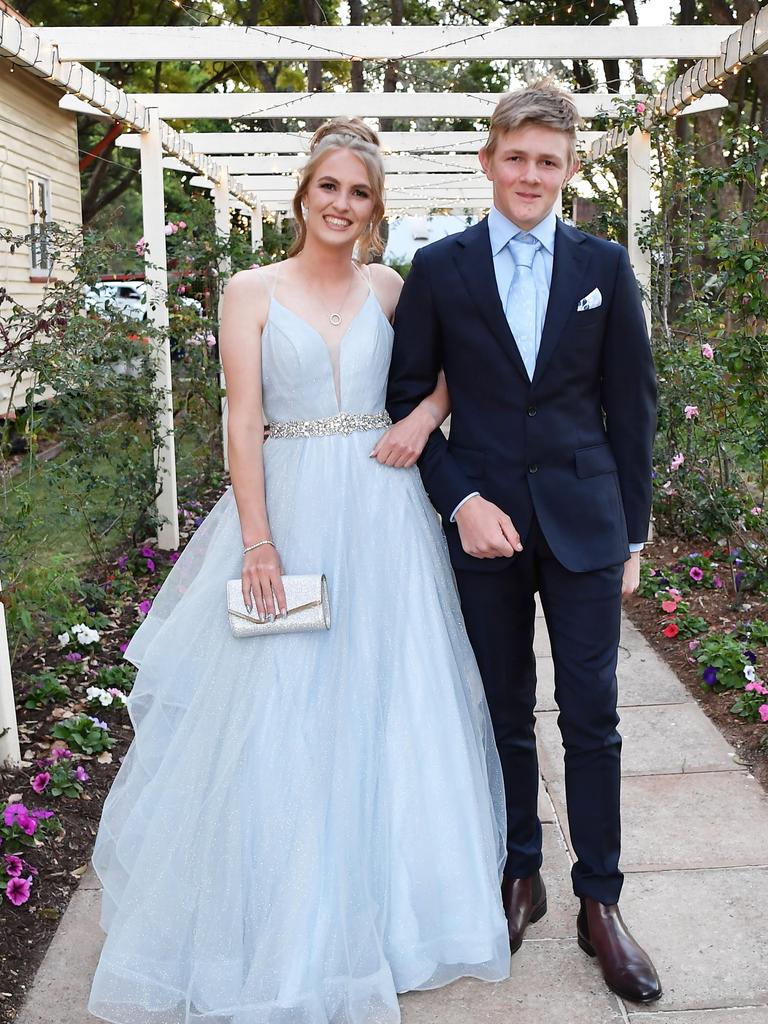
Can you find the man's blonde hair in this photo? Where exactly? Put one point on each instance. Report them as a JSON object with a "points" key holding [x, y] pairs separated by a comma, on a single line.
{"points": [[542, 103]]}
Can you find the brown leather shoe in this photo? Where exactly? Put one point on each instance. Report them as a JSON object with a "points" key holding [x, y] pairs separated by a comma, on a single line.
{"points": [[525, 902], [626, 967]]}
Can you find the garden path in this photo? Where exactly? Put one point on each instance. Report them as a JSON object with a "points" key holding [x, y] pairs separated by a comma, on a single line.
{"points": [[696, 890]]}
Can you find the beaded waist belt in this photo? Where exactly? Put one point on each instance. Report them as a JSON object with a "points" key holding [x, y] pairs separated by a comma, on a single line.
{"points": [[344, 423]]}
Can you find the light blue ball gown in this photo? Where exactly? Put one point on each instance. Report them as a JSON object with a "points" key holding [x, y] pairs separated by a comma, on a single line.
{"points": [[308, 824]]}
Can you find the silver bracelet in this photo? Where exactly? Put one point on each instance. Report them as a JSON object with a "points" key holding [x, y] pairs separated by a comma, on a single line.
{"points": [[258, 544]]}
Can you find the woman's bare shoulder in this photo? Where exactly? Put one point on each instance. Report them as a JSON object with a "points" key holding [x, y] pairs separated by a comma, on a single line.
{"points": [[387, 284]]}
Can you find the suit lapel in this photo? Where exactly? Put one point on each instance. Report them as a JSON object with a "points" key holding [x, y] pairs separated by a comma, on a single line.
{"points": [[475, 264], [568, 273]]}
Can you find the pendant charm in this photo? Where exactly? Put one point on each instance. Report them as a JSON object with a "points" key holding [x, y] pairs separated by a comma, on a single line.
{"points": [[335, 318]]}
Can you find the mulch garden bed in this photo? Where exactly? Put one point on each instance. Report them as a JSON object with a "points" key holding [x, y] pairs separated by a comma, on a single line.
{"points": [[722, 613]]}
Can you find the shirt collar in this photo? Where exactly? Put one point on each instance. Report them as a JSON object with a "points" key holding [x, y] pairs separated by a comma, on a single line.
{"points": [[501, 230]]}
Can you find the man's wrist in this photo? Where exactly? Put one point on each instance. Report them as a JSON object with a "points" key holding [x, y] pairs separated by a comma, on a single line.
{"points": [[474, 494]]}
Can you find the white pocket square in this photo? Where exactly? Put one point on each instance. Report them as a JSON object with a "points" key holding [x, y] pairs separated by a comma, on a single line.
{"points": [[591, 301]]}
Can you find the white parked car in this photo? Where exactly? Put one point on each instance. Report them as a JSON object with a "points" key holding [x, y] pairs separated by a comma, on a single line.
{"points": [[128, 298]]}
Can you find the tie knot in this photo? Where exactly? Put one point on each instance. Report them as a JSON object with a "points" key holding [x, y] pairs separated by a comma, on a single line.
{"points": [[524, 247]]}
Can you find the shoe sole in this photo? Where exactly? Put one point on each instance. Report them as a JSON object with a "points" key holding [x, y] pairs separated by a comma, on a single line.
{"points": [[536, 915], [589, 949]]}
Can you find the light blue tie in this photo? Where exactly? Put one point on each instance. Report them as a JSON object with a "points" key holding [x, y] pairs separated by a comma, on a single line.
{"points": [[520, 308]]}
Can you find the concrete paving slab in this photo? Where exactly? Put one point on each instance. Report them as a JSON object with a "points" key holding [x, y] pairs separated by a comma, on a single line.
{"points": [[658, 740], [62, 985], [732, 1015], [546, 809], [705, 931], [700, 820], [552, 982], [562, 906]]}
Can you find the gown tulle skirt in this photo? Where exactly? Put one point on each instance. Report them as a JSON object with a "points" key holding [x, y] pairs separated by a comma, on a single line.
{"points": [[307, 824]]}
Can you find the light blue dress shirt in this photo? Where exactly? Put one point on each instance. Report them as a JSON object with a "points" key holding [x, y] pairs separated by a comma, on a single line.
{"points": [[500, 231]]}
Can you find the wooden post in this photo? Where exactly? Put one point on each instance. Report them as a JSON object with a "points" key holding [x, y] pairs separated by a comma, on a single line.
{"points": [[221, 220], [10, 752], [257, 227], [638, 204], [155, 268]]}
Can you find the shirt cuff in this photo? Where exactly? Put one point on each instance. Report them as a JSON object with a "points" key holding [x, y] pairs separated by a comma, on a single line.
{"points": [[635, 547], [463, 501]]}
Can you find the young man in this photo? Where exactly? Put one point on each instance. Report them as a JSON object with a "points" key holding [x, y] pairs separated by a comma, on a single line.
{"points": [[544, 485]]}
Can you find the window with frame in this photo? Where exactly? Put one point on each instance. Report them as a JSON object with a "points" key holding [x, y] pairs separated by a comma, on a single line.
{"points": [[39, 192]]}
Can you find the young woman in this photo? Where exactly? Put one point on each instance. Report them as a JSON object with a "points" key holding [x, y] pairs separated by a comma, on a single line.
{"points": [[309, 823]]}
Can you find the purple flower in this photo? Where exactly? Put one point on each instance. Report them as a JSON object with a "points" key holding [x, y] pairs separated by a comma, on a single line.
{"points": [[41, 814], [58, 752], [710, 676], [73, 657], [150, 565], [122, 562], [751, 656], [40, 782], [13, 865], [99, 724], [12, 812], [173, 557], [18, 890], [717, 581], [144, 606], [124, 647], [27, 823], [147, 553], [696, 574], [198, 520], [738, 579], [81, 774]]}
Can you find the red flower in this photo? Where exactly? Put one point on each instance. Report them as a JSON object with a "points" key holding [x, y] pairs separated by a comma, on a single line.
{"points": [[671, 630]]}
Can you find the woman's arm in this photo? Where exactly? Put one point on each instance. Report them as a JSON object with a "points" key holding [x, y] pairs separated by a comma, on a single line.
{"points": [[243, 316], [403, 443]]}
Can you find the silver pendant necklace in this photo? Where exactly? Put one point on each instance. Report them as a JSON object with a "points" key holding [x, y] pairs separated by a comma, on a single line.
{"points": [[336, 319]]}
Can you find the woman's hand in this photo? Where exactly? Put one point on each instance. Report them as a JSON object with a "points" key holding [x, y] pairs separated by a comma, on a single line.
{"points": [[262, 583], [403, 443]]}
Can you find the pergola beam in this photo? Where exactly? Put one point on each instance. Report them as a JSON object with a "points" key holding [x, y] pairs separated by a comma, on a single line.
{"points": [[380, 42], [260, 105], [746, 44]]}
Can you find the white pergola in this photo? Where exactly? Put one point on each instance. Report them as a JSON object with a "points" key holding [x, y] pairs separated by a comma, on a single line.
{"points": [[255, 171]]}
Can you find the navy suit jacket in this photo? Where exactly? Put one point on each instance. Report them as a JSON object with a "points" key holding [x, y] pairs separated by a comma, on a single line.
{"points": [[574, 444]]}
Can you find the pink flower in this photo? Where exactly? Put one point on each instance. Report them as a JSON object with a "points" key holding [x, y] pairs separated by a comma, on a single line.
{"points": [[144, 606], [669, 606], [763, 712], [756, 687], [40, 782], [182, 224], [210, 340], [693, 644], [12, 812], [717, 581], [696, 574], [27, 823], [18, 890], [141, 246], [640, 108], [169, 229], [59, 752], [707, 351], [13, 865], [691, 412], [671, 630], [123, 647], [677, 461], [756, 511]]}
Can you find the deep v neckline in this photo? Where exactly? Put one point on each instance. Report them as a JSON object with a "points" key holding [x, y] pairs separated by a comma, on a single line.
{"points": [[334, 358]]}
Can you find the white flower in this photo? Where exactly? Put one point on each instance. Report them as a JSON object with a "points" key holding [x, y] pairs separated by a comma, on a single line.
{"points": [[63, 639], [95, 693], [92, 693], [85, 635], [749, 673]]}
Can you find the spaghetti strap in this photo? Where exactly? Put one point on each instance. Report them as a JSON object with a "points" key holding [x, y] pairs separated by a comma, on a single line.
{"points": [[365, 273]]}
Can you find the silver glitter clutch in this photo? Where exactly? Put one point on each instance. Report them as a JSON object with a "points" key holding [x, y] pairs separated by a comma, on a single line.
{"points": [[307, 604]]}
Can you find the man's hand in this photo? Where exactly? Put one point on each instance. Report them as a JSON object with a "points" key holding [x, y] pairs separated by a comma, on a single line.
{"points": [[631, 580], [486, 531]]}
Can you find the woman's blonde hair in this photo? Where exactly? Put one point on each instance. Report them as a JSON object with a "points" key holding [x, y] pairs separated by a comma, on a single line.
{"points": [[542, 103], [353, 134]]}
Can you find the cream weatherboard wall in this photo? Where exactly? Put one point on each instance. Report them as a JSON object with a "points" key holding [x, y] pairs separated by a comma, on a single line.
{"points": [[38, 144]]}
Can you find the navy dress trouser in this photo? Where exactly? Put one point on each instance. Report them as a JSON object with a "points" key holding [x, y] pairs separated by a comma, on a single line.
{"points": [[582, 612]]}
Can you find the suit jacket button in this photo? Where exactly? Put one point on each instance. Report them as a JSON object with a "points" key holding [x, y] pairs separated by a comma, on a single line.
{"points": [[533, 468], [532, 410]]}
